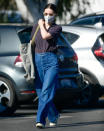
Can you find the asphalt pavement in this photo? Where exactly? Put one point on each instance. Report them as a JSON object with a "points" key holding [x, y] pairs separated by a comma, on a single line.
{"points": [[73, 119]]}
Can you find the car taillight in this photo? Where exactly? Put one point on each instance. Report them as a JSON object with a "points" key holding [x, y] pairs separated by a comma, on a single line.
{"points": [[75, 58], [28, 92], [18, 61], [99, 53]]}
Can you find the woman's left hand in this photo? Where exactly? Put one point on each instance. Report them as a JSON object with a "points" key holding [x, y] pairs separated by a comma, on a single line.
{"points": [[41, 22]]}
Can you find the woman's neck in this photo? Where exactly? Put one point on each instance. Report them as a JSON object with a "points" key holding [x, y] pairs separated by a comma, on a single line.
{"points": [[47, 25]]}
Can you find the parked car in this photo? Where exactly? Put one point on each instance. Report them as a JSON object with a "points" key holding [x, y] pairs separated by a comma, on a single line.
{"points": [[88, 44], [92, 19], [9, 16], [14, 89]]}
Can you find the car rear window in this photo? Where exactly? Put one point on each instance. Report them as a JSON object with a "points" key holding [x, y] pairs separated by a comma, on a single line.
{"points": [[99, 43], [71, 37], [9, 41], [62, 41], [102, 41], [24, 35]]}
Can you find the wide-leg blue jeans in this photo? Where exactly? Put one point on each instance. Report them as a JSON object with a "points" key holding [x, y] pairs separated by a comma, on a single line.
{"points": [[45, 85]]}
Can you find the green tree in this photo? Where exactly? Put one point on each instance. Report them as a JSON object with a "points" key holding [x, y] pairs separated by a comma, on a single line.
{"points": [[7, 4], [64, 6]]}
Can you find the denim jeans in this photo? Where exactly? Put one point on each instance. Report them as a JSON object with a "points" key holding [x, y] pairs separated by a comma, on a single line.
{"points": [[45, 85]]}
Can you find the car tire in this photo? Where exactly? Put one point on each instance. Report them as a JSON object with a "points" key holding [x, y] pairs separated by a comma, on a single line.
{"points": [[90, 93], [7, 97]]}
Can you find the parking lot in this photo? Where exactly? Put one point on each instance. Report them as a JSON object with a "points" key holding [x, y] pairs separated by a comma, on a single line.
{"points": [[77, 49], [75, 119]]}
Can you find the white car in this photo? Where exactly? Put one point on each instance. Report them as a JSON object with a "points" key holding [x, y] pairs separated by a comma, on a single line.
{"points": [[88, 44], [94, 19]]}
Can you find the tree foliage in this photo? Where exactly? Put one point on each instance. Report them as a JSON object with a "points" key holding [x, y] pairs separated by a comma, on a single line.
{"points": [[7, 4], [65, 6]]}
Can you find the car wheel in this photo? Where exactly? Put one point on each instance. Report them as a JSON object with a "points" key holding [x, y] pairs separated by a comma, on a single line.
{"points": [[7, 97], [90, 93]]}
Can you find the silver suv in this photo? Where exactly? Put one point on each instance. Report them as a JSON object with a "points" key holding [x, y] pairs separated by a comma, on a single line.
{"points": [[93, 19], [88, 44]]}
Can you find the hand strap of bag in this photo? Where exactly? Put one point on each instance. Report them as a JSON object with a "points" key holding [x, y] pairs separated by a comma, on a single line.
{"points": [[33, 39]]}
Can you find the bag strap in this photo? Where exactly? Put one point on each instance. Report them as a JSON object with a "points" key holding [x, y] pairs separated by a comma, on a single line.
{"points": [[33, 39]]}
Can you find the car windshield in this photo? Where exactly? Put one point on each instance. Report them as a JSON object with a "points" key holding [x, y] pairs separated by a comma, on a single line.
{"points": [[86, 21], [90, 20]]}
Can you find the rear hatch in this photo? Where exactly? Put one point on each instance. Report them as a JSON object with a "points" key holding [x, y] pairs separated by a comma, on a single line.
{"points": [[68, 60], [69, 75], [66, 55]]}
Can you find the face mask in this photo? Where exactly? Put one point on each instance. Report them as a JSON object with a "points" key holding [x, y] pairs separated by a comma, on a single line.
{"points": [[49, 19]]}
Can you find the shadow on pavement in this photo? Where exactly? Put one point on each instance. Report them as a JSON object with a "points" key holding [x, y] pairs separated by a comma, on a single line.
{"points": [[78, 124], [31, 110]]}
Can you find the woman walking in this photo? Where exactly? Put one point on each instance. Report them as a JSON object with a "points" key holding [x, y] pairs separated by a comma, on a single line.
{"points": [[46, 65]]}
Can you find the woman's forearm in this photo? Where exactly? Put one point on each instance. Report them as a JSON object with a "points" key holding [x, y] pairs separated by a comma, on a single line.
{"points": [[44, 33]]}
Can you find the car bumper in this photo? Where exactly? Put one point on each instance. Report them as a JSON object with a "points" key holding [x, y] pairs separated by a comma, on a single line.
{"points": [[24, 90]]}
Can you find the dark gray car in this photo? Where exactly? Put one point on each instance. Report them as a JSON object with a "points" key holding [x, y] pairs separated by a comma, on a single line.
{"points": [[13, 87]]}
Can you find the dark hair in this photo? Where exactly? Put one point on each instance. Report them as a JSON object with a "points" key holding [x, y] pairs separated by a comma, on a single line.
{"points": [[51, 6]]}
